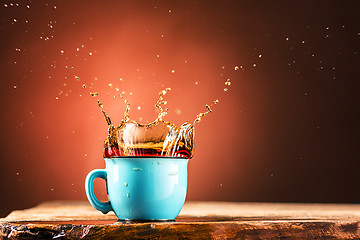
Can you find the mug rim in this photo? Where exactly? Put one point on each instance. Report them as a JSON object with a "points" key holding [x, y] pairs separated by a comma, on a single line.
{"points": [[120, 157]]}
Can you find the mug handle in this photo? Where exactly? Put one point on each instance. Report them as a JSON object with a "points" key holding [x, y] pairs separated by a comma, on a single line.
{"points": [[104, 207]]}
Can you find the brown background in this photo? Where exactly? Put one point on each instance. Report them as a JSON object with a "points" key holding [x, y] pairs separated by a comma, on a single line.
{"points": [[286, 130]]}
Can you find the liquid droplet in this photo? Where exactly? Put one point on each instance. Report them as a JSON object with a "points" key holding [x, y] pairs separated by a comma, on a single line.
{"points": [[137, 169], [128, 195], [107, 118], [94, 94], [126, 184], [160, 102]]}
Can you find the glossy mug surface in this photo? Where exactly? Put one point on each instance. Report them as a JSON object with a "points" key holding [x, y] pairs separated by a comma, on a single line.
{"points": [[141, 188]]}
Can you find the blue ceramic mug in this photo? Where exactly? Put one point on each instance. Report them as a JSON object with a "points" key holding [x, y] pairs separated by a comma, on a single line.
{"points": [[141, 188]]}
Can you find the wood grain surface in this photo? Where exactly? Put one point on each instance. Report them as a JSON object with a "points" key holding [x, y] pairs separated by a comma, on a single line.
{"points": [[197, 220]]}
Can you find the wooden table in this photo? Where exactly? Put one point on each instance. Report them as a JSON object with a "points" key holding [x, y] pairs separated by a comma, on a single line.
{"points": [[197, 220]]}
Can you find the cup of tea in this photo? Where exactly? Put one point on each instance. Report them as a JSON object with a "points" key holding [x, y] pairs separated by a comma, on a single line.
{"points": [[141, 188]]}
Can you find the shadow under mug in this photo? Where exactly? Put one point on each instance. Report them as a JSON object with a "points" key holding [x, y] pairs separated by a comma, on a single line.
{"points": [[141, 188]]}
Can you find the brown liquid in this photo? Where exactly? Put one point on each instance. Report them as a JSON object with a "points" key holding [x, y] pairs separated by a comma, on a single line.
{"points": [[156, 139]]}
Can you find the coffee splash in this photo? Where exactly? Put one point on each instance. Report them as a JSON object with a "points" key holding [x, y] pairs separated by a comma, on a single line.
{"points": [[158, 138]]}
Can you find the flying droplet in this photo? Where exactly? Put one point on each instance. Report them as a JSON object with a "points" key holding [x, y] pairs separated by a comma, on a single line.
{"points": [[94, 94], [216, 101], [225, 89], [236, 68], [84, 85]]}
